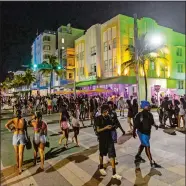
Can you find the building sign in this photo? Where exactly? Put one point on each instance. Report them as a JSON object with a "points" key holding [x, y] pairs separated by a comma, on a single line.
{"points": [[157, 88], [89, 78]]}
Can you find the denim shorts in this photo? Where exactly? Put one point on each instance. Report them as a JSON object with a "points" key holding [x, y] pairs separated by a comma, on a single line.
{"points": [[19, 139], [37, 139]]}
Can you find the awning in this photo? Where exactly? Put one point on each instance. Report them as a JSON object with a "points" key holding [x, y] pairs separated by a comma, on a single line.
{"points": [[118, 80], [86, 83], [70, 85], [114, 80]]}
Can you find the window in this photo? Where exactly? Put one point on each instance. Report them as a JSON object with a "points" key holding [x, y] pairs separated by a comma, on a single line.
{"points": [[114, 43], [152, 65], [93, 68], [46, 47], [93, 50], [81, 70], [106, 65], [62, 40], [180, 84], [110, 64], [70, 75], [180, 68], [46, 56], [105, 46], [46, 38], [179, 52], [56, 77]]}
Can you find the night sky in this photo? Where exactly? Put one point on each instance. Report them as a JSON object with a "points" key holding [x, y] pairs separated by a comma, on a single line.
{"points": [[20, 21]]}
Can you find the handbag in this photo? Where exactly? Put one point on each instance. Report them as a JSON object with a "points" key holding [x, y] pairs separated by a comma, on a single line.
{"points": [[47, 144], [28, 143], [114, 135]]}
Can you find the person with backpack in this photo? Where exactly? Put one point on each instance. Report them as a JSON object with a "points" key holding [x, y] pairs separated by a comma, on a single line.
{"points": [[143, 122], [18, 126], [39, 138], [106, 142]]}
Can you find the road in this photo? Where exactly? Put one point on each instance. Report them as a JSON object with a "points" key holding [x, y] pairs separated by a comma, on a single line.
{"points": [[78, 166]]}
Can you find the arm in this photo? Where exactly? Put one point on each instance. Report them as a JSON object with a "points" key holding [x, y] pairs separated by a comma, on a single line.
{"points": [[153, 122], [103, 129], [8, 124]]}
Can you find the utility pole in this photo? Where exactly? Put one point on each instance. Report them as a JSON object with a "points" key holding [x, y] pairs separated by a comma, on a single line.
{"points": [[136, 56]]}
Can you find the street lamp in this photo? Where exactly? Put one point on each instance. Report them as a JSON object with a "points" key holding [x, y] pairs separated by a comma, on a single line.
{"points": [[156, 40]]}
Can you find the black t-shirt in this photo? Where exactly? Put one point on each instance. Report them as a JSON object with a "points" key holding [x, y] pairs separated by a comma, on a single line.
{"points": [[101, 122], [144, 121]]}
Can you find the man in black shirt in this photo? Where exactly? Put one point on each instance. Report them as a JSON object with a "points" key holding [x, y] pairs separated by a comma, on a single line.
{"points": [[114, 116], [106, 142], [143, 122]]}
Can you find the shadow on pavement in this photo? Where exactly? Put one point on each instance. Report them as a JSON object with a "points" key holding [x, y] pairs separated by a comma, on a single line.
{"points": [[114, 182], [170, 131], [77, 158], [95, 180], [52, 154], [140, 180]]}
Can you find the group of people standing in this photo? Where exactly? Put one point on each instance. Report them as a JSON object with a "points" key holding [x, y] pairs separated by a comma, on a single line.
{"points": [[103, 117]]}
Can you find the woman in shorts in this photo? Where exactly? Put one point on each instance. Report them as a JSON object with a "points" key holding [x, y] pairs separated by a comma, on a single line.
{"points": [[18, 126], [39, 139]]}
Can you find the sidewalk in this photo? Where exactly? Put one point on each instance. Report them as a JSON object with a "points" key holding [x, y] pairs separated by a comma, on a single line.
{"points": [[81, 168]]}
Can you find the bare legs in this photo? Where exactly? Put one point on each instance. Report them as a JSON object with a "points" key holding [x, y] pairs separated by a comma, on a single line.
{"points": [[19, 150], [64, 136]]}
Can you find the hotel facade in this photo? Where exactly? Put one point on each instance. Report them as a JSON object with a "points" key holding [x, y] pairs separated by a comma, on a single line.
{"points": [[101, 53]]}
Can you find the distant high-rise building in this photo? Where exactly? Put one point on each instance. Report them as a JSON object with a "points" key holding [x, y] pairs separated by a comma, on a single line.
{"points": [[43, 46]]}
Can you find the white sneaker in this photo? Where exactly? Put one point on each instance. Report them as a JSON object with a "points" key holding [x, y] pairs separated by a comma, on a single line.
{"points": [[103, 172], [116, 176]]}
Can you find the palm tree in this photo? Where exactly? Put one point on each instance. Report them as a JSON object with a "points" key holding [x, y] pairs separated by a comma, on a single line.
{"points": [[29, 78], [7, 84], [143, 58], [50, 66], [18, 81]]}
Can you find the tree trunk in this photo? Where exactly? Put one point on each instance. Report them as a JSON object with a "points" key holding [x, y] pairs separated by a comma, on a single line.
{"points": [[30, 90], [145, 79], [50, 82]]}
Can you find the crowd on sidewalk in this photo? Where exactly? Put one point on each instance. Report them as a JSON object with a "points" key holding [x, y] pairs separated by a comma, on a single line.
{"points": [[101, 111]]}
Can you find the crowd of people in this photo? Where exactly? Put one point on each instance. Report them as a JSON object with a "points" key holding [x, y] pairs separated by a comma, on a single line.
{"points": [[101, 111]]}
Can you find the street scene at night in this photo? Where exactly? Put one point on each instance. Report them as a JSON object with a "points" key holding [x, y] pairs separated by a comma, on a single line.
{"points": [[93, 94]]}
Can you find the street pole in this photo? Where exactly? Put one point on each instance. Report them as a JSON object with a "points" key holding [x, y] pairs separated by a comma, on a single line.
{"points": [[136, 56], [75, 83]]}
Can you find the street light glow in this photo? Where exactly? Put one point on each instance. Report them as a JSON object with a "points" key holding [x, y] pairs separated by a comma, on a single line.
{"points": [[58, 67], [156, 40]]}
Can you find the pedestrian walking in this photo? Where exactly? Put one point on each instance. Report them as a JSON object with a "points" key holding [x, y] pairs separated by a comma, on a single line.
{"points": [[106, 142], [76, 126], [39, 138], [129, 115], [143, 122], [64, 125]]}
